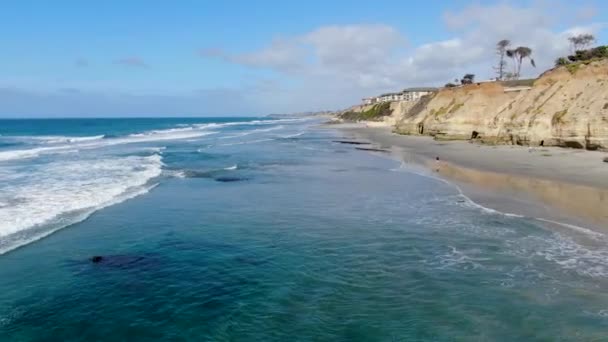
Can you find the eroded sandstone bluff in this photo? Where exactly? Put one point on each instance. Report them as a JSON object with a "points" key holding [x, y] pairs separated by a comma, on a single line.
{"points": [[564, 107]]}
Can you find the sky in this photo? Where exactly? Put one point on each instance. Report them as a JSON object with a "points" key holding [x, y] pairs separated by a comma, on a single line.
{"points": [[116, 58]]}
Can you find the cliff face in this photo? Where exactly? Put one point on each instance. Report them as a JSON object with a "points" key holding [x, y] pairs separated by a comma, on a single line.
{"points": [[454, 113], [563, 108], [360, 113]]}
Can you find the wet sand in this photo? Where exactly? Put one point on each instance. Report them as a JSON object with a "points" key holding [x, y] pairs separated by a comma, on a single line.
{"points": [[555, 184]]}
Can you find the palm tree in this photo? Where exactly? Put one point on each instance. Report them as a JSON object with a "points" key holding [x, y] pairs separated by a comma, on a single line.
{"points": [[518, 55]]}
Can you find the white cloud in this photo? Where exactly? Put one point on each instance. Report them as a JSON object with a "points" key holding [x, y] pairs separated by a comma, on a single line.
{"points": [[334, 66], [344, 63], [282, 54], [363, 47]]}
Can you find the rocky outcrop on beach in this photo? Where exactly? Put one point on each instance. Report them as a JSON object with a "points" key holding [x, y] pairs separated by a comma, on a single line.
{"points": [[566, 106]]}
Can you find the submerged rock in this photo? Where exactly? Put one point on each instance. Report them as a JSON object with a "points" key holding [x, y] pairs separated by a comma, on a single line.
{"points": [[372, 149], [199, 173], [123, 261], [97, 259], [606, 160], [230, 179], [350, 142]]}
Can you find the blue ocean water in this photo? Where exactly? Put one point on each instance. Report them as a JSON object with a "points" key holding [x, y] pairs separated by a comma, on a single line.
{"points": [[267, 229]]}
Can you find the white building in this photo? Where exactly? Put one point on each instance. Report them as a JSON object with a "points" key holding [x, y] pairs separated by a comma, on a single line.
{"points": [[413, 94], [370, 100], [409, 94], [388, 97]]}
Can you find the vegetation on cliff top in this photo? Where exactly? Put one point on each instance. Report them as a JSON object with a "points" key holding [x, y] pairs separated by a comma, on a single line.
{"points": [[375, 113], [582, 55], [573, 62]]}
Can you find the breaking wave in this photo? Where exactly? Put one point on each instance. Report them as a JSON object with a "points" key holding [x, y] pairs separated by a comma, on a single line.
{"points": [[52, 196]]}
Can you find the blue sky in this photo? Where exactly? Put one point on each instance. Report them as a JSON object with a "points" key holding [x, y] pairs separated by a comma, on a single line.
{"points": [[184, 58]]}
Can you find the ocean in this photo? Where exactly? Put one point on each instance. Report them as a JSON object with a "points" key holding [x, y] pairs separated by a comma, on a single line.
{"points": [[268, 229]]}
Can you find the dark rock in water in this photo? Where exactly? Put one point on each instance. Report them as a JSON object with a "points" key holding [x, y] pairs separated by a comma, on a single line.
{"points": [[372, 149], [125, 261], [230, 179], [200, 174], [97, 259], [349, 142], [606, 160]]}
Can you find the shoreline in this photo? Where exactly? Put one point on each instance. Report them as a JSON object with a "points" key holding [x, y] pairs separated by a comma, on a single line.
{"points": [[542, 183]]}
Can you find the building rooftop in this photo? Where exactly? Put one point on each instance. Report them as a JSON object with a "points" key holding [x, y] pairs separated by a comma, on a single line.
{"points": [[407, 90], [388, 94]]}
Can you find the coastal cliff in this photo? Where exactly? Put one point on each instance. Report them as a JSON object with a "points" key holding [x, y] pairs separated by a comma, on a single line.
{"points": [[566, 106], [381, 114]]}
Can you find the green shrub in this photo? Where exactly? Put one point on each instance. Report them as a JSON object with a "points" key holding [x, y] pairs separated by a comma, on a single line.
{"points": [[573, 67], [599, 52], [518, 83], [561, 61], [377, 112]]}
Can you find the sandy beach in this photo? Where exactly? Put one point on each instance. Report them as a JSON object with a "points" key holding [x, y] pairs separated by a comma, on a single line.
{"points": [[555, 184]]}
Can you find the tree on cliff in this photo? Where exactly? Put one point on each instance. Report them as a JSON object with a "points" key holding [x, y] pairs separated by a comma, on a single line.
{"points": [[501, 51], [524, 52], [467, 79], [581, 41], [518, 55], [511, 53]]}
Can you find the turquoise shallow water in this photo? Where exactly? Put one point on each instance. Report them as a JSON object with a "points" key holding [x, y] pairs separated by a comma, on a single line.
{"points": [[269, 232]]}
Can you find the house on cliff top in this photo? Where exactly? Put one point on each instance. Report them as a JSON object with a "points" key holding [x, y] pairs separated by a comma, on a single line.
{"points": [[413, 94], [408, 94]]}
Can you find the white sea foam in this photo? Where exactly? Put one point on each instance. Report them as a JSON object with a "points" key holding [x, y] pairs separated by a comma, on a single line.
{"points": [[469, 202], [56, 144], [158, 150], [233, 167], [54, 195], [591, 261], [584, 230], [253, 131], [64, 139], [245, 142], [292, 135], [564, 251], [98, 143], [55, 139], [455, 258], [179, 174], [250, 123]]}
